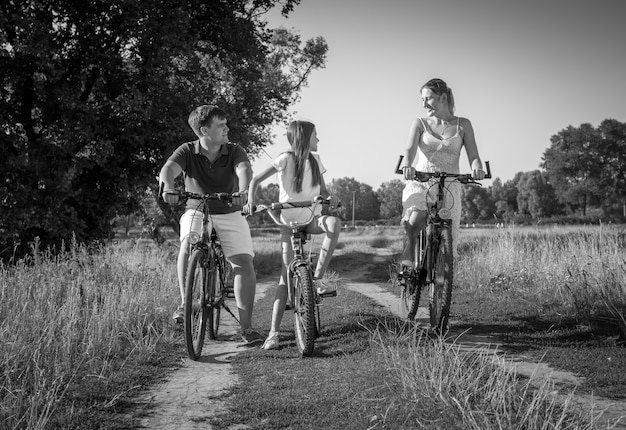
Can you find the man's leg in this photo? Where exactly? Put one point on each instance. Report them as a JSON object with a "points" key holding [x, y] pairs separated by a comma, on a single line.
{"points": [[181, 267], [245, 287]]}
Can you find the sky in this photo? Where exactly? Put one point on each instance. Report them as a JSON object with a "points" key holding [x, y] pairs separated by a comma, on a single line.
{"points": [[520, 71]]}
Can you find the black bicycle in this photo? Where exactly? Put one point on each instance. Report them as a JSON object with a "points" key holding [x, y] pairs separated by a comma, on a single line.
{"points": [[433, 264], [209, 279], [302, 296]]}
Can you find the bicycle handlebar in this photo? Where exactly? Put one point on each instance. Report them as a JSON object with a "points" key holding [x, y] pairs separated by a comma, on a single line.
{"points": [[273, 207], [464, 178], [224, 197]]}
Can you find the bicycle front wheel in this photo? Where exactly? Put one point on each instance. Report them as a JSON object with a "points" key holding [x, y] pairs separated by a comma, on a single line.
{"points": [[441, 285], [196, 311], [304, 310]]}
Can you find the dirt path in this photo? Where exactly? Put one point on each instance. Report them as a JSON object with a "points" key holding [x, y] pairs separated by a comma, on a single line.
{"points": [[192, 393]]}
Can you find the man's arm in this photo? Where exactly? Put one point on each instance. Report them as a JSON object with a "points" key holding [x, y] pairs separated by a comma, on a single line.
{"points": [[243, 170], [168, 174]]}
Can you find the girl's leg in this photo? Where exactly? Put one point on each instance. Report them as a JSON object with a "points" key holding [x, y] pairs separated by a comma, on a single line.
{"points": [[280, 299], [414, 221], [332, 227]]}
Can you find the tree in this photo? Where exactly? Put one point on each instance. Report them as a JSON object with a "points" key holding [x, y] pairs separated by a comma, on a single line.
{"points": [[614, 167], [477, 204], [505, 197], [535, 196], [95, 95], [390, 197], [367, 206], [586, 165]]}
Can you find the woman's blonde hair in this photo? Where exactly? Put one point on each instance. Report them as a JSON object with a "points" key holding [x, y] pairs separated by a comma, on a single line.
{"points": [[299, 137]]}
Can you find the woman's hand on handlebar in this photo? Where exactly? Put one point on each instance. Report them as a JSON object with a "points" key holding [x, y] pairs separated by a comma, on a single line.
{"points": [[408, 172], [478, 174]]}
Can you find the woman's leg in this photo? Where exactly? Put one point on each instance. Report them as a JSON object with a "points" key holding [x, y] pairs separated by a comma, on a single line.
{"points": [[414, 221]]}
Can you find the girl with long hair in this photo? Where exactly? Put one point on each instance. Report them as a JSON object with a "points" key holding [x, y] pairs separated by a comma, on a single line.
{"points": [[300, 178]]}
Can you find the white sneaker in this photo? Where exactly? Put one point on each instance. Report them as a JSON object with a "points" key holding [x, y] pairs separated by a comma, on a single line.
{"points": [[324, 288], [271, 342]]}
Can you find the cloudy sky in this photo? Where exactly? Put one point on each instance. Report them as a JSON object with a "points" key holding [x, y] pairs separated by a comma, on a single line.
{"points": [[521, 71]]}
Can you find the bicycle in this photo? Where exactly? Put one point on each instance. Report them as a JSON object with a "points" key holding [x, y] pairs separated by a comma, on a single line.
{"points": [[302, 296], [433, 263], [208, 281]]}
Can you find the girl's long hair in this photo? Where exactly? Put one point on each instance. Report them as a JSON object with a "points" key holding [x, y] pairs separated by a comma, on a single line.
{"points": [[299, 137]]}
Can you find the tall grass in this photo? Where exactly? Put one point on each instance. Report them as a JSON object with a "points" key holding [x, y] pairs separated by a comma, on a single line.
{"points": [[76, 317], [583, 268], [451, 387]]}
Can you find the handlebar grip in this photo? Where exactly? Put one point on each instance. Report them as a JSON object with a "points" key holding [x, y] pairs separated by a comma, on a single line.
{"points": [[398, 170], [488, 175]]}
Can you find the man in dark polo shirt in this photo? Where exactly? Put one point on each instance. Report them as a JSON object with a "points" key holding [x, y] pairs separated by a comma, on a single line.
{"points": [[213, 165]]}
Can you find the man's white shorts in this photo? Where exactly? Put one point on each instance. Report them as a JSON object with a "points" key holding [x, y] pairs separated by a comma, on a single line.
{"points": [[232, 229]]}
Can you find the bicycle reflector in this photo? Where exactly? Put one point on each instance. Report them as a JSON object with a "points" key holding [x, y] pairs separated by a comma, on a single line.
{"points": [[194, 237], [445, 213]]}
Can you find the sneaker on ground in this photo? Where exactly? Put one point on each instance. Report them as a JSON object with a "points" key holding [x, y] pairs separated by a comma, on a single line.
{"points": [[271, 342], [324, 288], [179, 315], [251, 337]]}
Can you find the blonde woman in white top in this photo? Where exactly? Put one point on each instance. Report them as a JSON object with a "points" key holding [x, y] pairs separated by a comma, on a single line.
{"points": [[435, 144], [300, 178]]}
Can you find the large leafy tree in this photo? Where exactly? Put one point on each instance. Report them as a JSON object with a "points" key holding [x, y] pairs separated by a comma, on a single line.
{"points": [[95, 95], [587, 165]]}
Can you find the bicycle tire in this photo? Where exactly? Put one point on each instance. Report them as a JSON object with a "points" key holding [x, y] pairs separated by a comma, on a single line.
{"points": [[215, 288], [196, 312], [441, 285], [415, 282], [304, 310]]}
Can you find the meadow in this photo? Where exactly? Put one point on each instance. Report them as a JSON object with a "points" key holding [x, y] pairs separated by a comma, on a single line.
{"points": [[83, 331]]}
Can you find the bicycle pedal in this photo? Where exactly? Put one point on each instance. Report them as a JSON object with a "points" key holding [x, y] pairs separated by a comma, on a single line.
{"points": [[328, 294], [230, 292]]}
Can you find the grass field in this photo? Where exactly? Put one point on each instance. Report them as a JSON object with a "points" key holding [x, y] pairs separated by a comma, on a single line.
{"points": [[84, 331]]}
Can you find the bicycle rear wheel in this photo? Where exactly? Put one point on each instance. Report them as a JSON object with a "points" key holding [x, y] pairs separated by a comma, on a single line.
{"points": [[441, 285], [304, 310], [196, 311], [215, 289]]}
